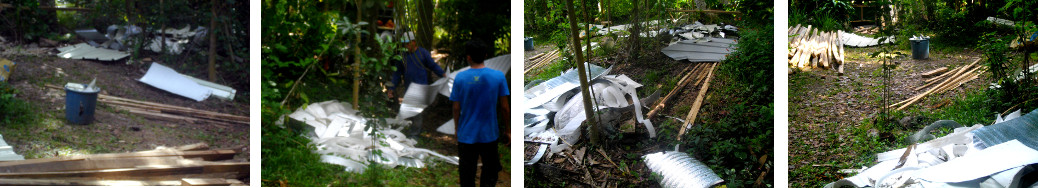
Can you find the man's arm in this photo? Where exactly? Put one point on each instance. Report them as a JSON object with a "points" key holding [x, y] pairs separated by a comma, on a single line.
{"points": [[456, 112], [432, 64], [503, 100]]}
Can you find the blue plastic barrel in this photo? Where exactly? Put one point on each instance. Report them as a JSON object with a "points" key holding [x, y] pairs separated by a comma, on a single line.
{"points": [[920, 48], [528, 43], [79, 105]]}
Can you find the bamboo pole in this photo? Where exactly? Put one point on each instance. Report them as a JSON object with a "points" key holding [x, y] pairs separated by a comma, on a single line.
{"points": [[691, 119], [588, 111]]}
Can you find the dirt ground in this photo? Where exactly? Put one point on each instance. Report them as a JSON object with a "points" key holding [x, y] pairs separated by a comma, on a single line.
{"points": [[619, 162], [113, 131], [823, 105]]}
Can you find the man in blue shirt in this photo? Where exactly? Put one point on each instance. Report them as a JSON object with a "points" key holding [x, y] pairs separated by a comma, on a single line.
{"points": [[478, 94], [415, 67]]}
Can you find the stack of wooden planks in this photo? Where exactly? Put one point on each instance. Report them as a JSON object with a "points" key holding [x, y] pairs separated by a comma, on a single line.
{"points": [[191, 165], [169, 112], [812, 48], [941, 80], [541, 60]]}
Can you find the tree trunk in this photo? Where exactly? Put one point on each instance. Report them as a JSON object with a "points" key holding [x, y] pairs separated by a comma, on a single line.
{"points": [[356, 61], [583, 73], [212, 44], [424, 32]]}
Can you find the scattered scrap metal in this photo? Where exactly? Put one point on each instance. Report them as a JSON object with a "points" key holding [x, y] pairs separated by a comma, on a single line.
{"points": [[812, 48], [998, 155], [554, 113], [341, 137], [701, 43], [111, 46], [185, 165]]}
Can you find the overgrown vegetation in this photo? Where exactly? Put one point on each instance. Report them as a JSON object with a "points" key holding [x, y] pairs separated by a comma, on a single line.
{"points": [[13, 111], [27, 22], [738, 143], [316, 51]]}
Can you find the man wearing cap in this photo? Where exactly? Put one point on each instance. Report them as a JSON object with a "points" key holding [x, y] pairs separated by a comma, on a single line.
{"points": [[479, 95], [415, 68]]}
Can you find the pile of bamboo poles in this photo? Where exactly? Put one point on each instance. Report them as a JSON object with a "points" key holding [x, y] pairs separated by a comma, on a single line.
{"points": [[169, 112], [187, 165], [945, 81], [541, 59], [813, 48]]}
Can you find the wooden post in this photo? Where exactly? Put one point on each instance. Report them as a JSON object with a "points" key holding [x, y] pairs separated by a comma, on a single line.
{"points": [[583, 73], [212, 44]]}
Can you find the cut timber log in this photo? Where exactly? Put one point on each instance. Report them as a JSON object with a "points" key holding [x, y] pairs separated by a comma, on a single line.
{"points": [[691, 119], [935, 72], [812, 48]]}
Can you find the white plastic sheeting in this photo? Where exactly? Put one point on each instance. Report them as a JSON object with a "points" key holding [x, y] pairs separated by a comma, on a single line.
{"points": [[680, 170], [165, 78], [339, 134], [958, 159]]}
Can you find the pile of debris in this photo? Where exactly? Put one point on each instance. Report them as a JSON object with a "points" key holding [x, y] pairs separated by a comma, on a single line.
{"points": [[1004, 154], [116, 41], [701, 43], [185, 165], [854, 40], [343, 137], [554, 112], [812, 48], [941, 80]]}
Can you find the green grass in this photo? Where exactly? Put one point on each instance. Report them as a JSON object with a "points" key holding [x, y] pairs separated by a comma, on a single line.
{"points": [[288, 157]]}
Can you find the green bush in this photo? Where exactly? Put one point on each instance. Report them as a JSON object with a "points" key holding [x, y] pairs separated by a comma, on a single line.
{"points": [[13, 111], [737, 141]]}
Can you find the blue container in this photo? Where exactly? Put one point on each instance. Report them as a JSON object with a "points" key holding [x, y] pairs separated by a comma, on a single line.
{"points": [[79, 104], [920, 48], [528, 43]]}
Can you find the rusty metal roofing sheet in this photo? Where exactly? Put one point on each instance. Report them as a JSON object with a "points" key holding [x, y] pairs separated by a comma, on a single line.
{"points": [[87, 52]]}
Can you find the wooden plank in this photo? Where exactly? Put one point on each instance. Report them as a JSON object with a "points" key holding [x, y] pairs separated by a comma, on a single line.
{"points": [[242, 168], [93, 164], [193, 147], [956, 77], [209, 155], [204, 182], [935, 72], [691, 119], [81, 182]]}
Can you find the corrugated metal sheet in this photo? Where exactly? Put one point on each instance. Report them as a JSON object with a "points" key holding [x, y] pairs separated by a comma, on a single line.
{"points": [[165, 78], [709, 50], [1023, 129], [87, 52], [680, 170]]}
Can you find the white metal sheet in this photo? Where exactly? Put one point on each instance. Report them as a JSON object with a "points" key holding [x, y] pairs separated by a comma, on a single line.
{"points": [[165, 78]]}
